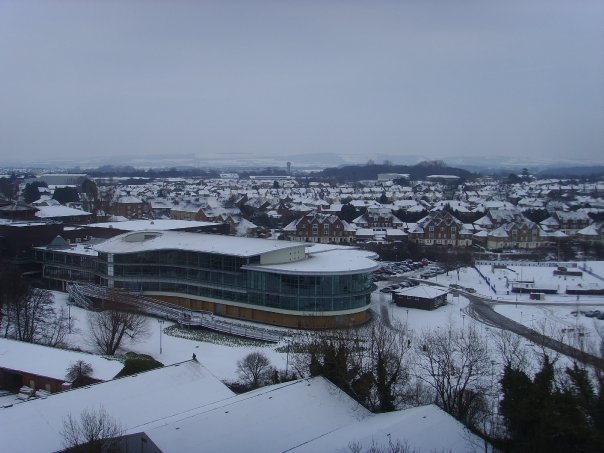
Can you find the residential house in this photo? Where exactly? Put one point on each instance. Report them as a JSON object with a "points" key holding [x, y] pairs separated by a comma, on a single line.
{"points": [[130, 207], [318, 227], [378, 218], [569, 222], [522, 234], [440, 228]]}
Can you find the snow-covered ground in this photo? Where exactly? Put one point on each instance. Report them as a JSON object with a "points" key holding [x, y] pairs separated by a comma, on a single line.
{"points": [[553, 316], [221, 359]]}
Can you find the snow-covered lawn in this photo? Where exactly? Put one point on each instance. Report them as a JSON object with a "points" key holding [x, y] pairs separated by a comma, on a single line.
{"points": [[220, 359]]}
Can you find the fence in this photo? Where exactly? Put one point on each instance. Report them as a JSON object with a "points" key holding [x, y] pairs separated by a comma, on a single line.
{"points": [[81, 295], [525, 263]]}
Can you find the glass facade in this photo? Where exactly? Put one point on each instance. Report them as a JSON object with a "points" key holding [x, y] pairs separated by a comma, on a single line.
{"points": [[221, 277]]}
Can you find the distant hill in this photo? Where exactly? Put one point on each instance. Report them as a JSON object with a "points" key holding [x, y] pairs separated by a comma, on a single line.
{"points": [[352, 173], [572, 172]]}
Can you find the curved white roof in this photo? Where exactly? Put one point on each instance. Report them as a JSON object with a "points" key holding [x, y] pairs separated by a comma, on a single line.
{"points": [[195, 242], [155, 225], [339, 261]]}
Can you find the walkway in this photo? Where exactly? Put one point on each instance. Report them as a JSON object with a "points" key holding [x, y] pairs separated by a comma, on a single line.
{"points": [[83, 296]]}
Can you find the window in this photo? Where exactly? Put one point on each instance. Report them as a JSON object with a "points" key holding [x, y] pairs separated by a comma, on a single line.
{"points": [[326, 229]]}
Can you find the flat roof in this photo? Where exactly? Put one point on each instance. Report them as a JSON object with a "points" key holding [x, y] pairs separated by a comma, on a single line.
{"points": [[194, 242], [422, 291], [157, 225], [75, 249]]}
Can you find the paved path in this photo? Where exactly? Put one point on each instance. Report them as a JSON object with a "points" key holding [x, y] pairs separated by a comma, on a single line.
{"points": [[481, 308]]}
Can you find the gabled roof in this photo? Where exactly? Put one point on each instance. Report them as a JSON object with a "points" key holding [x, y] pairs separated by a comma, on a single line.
{"points": [[310, 415], [58, 243], [550, 221], [590, 230], [47, 212], [275, 418], [52, 362]]}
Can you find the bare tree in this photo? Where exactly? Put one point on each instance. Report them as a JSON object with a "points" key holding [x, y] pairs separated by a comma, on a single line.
{"points": [[109, 329], [56, 329], [254, 368], [369, 364], [29, 315], [78, 372], [385, 363], [455, 364], [94, 431], [13, 290], [511, 349]]}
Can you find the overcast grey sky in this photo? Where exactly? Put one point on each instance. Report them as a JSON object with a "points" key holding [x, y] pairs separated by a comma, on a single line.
{"points": [[357, 78]]}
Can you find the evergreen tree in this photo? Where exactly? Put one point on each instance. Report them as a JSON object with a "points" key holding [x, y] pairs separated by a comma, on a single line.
{"points": [[66, 195], [31, 192], [544, 417], [348, 213]]}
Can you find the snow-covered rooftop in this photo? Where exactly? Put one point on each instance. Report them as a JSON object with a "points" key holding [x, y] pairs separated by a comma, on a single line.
{"points": [[332, 261], [46, 212], [137, 402], [157, 225], [52, 362], [424, 428], [422, 291], [197, 242], [309, 415]]}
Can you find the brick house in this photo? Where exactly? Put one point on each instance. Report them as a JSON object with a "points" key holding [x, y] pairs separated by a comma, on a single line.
{"points": [[130, 207], [522, 234], [188, 212], [378, 218], [440, 228], [569, 222], [317, 227]]}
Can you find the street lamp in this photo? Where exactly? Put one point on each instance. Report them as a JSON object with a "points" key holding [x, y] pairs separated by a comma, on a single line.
{"points": [[161, 328], [287, 358]]}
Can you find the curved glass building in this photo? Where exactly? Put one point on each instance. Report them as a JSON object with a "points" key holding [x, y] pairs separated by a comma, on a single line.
{"points": [[275, 282]]}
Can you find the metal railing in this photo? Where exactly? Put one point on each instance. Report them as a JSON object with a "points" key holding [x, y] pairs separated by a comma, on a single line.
{"points": [[81, 295]]}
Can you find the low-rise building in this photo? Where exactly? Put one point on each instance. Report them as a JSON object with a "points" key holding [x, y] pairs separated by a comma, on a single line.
{"points": [[268, 281], [424, 297], [45, 368]]}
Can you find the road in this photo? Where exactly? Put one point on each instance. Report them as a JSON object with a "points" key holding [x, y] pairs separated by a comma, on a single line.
{"points": [[481, 309]]}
